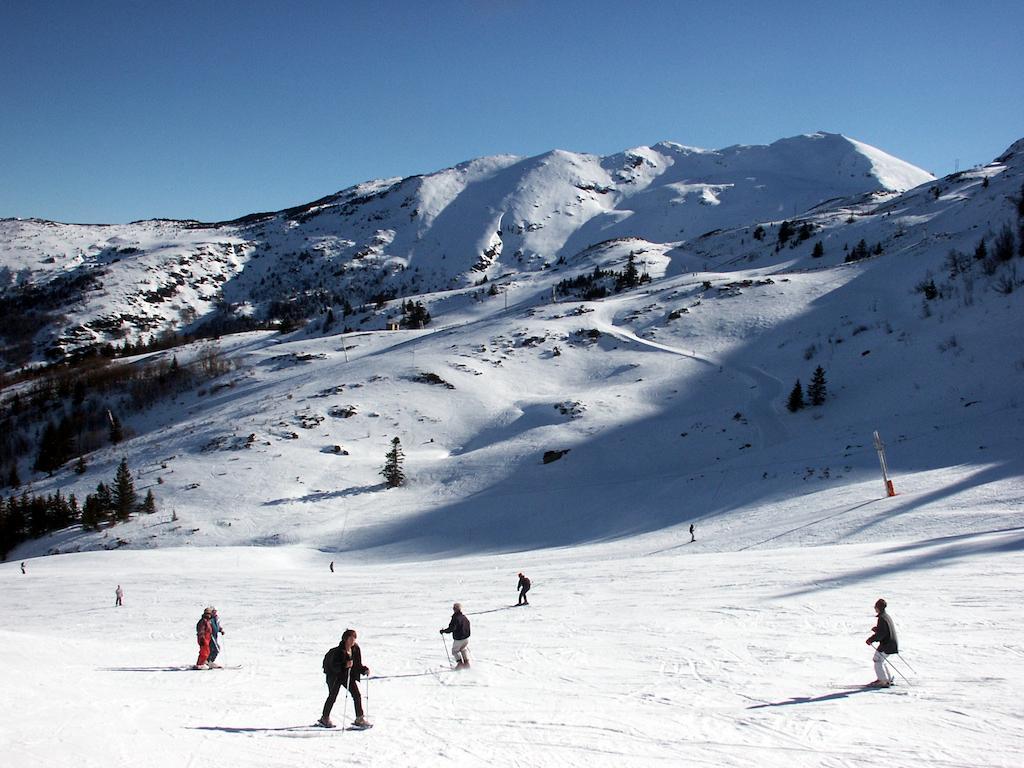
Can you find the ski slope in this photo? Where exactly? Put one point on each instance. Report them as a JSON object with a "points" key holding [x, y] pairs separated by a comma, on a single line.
{"points": [[650, 651]]}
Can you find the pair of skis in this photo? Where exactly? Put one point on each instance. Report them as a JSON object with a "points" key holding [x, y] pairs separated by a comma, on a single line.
{"points": [[353, 727]]}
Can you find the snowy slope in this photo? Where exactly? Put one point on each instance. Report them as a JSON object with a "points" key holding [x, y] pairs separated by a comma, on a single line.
{"points": [[743, 648]]}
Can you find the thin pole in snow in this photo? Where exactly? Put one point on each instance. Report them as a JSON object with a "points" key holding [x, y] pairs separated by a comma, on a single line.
{"points": [[890, 490]]}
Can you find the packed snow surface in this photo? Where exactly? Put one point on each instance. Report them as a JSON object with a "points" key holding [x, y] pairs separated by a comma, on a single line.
{"points": [[654, 651]]}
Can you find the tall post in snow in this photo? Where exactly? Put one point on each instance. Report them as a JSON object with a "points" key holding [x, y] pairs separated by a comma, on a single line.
{"points": [[890, 490]]}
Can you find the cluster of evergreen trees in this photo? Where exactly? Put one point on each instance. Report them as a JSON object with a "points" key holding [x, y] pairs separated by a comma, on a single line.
{"points": [[861, 251], [790, 233], [598, 284], [817, 392], [28, 516], [72, 409], [415, 315]]}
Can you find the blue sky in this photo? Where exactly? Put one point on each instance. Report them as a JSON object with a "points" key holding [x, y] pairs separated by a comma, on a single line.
{"points": [[115, 111]]}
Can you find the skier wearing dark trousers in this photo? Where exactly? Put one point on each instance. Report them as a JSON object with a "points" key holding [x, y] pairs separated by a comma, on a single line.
{"points": [[343, 667], [203, 634], [524, 587], [22, 567], [459, 629], [118, 596], [216, 630], [884, 633], [692, 537]]}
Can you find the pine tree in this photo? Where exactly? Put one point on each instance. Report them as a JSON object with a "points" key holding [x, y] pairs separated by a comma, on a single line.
{"points": [[1005, 244], [392, 471], [818, 390], [630, 278], [819, 250], [785, 232], [796, 398], [97, 507], [149, 503], [54, 447], [116, 432], [124, 498]]}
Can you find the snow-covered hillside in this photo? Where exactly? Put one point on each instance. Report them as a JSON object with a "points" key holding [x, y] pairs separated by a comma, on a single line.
{"points": [[663, 403]]}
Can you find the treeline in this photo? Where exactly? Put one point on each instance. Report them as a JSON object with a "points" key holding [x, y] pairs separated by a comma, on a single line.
{"points": [[27, 516]]}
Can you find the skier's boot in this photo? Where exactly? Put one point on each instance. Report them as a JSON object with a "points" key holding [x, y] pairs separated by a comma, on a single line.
{"points": [[362, 722]]}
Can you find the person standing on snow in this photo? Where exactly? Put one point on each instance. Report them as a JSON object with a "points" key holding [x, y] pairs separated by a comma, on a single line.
{"points": [[459, 629], [692, 537], [524, 587], [884, 633], [204, 631], [215, 632], [343, 667], [118, 596], [22, 567]]}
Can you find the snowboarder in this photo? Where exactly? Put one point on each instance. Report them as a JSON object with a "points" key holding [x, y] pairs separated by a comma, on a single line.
{"points": [[216, 630], [692, 537], [459, 629], [884, 633], [343, 666], [204, 631], [22, 567], [118, 596], [524, 587]]}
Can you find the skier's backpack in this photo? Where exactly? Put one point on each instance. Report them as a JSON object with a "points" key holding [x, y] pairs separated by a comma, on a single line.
{"points": [[329, 661]]}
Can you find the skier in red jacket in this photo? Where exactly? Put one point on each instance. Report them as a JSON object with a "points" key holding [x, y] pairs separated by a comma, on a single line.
{"points": [[204, 631]]}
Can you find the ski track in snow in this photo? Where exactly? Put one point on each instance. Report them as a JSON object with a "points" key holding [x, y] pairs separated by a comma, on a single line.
{"points": [[767, 389]]}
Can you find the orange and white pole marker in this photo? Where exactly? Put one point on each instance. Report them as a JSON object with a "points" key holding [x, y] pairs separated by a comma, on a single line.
{"points": [[890, 489]]}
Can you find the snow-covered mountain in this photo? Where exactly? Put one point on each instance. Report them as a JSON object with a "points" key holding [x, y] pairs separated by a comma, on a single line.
{"points": [[403, 237], [676, 388], [559, 420]]}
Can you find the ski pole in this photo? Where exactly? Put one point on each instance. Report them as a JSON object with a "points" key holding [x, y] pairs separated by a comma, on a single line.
{"points": [[344, 704], [367, 707], [445, 644], [885, 658], [909, 666]]}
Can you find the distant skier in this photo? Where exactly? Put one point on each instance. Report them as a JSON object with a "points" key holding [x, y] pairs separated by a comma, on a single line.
{"points": [[459, 629], [332, 566], [884, 633], [343, 666], [22, 567], [204, 631], [118, 596], [524, 587], [215, 632], [692, 537]]}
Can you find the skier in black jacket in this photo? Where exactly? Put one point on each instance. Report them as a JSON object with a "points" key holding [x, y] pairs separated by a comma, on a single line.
{"points": [[343, 667], [459, 629], [884, 633], [524, 587]]}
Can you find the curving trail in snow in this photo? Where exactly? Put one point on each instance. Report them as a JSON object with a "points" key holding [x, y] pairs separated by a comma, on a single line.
{"points": [[767, 389]]}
